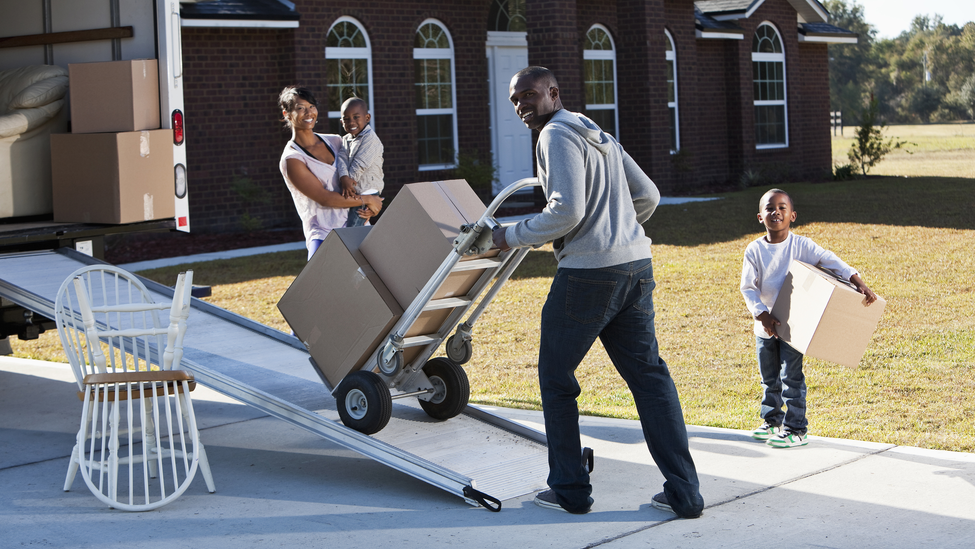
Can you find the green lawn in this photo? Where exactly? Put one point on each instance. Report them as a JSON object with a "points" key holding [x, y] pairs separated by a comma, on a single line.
{"points": [[911, 238]]}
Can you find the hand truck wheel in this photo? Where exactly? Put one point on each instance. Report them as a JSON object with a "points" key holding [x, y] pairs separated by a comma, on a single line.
{"points": [[451, 389], [364, 402]]}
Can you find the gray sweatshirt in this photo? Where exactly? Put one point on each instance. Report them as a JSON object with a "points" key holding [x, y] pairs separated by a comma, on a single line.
{"points": [[597, 197]]}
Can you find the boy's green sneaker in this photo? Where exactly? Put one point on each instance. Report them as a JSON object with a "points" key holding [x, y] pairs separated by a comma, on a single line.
{"points": [[766, 431], [788, 439]]}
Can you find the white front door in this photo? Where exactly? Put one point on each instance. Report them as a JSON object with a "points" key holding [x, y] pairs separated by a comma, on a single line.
{"points": [[511, 141]]}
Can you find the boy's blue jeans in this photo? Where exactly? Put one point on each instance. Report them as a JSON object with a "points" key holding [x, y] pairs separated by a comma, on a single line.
{"points": [[354, 219], [614, 304], [782, 383]]}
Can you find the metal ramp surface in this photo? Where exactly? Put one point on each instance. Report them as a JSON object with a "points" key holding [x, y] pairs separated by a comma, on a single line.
{"points": [[474, 454]]}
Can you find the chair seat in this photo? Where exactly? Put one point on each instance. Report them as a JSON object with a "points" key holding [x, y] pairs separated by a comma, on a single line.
{"points": [[138, 384]]}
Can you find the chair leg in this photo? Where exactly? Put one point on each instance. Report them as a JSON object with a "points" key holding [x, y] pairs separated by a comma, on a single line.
{"points": [[113, 448], [205, 469], [150, 440], [186, 402], [72, 467]]}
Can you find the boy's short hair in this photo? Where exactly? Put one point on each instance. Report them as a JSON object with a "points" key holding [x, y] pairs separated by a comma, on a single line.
{"points": [[774, 191], [355, 101]]}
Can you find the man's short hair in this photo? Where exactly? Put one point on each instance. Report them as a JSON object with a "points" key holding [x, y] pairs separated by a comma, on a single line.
{"points": [[537, 74]]}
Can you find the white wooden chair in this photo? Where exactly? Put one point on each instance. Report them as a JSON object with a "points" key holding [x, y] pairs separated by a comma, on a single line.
{"points": [[138, 447]]}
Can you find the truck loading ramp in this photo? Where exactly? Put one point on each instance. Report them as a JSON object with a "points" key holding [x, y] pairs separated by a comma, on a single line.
{"points": [[478, 456]]}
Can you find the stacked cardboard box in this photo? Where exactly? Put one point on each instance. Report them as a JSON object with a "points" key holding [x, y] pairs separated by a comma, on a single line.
{"points": [[825, 317], [117, 165], [360, 281]]}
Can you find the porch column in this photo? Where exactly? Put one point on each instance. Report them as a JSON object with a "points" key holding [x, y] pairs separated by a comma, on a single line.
{"points": [[642, 85], [554, 42]]}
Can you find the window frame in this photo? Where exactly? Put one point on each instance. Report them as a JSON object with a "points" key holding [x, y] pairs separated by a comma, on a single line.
{"points": [[356, 53], [499, 9], [759, 57], [671, 57], [603, 55], [439, 53]]}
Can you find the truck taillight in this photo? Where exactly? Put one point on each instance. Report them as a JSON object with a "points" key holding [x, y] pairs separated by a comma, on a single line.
{"points": [[177, 127], [180, 181]]}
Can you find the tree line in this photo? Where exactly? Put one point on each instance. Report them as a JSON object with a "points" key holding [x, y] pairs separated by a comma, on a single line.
{"points": [[927, 74]]}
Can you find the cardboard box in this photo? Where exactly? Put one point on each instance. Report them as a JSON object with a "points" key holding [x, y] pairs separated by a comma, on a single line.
{"points": [[338, 307], [113, 177], [825, 317], [114, 96], [415, 235], [342, 311]]}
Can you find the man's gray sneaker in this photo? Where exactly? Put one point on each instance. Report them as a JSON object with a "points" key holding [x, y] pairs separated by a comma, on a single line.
{"points": [[661, 502], [549, 500]]}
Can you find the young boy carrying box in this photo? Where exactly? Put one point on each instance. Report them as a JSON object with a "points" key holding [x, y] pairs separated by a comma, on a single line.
{"points": [[763, 272], [360, 163]]}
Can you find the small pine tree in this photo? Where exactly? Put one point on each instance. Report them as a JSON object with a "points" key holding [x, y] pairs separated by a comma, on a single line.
{"points": [[869, 147]]}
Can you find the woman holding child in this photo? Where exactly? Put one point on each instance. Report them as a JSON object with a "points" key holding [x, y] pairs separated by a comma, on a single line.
{"points": [[308, 166]]}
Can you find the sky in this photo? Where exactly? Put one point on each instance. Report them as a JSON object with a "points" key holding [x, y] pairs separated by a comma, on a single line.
{"points": [[892, 17]]}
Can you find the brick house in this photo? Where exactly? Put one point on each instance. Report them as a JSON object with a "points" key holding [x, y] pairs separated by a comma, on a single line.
{"points": [[697, 92]]}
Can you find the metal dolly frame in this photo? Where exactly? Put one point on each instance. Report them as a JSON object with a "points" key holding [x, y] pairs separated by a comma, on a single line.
{"points": [[364, 397]]}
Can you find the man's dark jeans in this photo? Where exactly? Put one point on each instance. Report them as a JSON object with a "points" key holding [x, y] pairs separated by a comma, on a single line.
{"points": [[614, 304]]}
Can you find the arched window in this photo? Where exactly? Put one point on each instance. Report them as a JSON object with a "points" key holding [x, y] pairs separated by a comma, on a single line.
{"points": [[672, 93], [507, 16], [433, 63], [768, 75], [348, 68], [599, 73]]}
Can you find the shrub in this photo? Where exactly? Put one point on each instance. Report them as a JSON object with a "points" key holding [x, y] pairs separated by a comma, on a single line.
{"points": [[845, 172], [253, 197], [869, 147], [480, 173]]}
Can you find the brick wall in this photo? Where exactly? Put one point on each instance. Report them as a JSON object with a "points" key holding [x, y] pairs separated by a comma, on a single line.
{"points": [[803, 158], [233, 128], [813, 83], [233, 77]]}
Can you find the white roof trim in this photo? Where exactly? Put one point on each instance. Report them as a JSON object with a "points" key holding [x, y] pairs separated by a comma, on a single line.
{"points": [[719, 35], [811, 9], [734, 16], [829, 39], [754, 7], [238, 23]]}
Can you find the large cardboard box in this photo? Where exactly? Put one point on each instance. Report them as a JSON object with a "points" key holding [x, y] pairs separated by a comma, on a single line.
{"points": [[114, 96], [338, 307], [825, 317], [415, 235], [342, 311], [113, 177]]}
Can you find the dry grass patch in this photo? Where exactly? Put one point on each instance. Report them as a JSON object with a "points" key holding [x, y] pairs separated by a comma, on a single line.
{"points": [[936, 149]]}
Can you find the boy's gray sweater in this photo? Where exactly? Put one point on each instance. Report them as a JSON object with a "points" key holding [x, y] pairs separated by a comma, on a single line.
{"points": [[597, 197]]}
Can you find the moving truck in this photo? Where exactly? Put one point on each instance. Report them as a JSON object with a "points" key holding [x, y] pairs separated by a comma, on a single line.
{"points": [[72, 181]]}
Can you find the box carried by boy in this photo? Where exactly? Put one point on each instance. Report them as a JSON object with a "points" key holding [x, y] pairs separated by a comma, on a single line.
{"points": [[824, 316]]}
